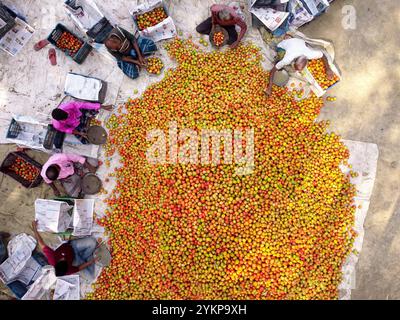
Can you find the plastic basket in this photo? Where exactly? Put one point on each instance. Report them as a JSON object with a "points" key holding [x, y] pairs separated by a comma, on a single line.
{"points": [[8, 19], [14, 130], [10, 159], [82, 53], [100, 30]]}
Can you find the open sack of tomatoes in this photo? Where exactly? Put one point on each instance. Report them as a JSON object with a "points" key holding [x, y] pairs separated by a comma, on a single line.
{"points": [[153, 21], [316, 75], [151, 18]]}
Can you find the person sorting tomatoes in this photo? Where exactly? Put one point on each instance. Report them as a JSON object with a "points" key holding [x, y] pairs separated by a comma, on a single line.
{"points": [[293, 55], [129, 51], [226, 17], [73, 117], [68, 169], [71, 257]]}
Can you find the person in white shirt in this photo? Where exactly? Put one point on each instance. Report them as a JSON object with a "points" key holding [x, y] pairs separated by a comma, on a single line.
{"points": [[296, 55]]}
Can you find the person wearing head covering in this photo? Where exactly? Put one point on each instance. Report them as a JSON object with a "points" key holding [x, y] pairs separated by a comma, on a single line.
{"points": [[72, 117], [293, 55], [226, 17], [129, 51]]}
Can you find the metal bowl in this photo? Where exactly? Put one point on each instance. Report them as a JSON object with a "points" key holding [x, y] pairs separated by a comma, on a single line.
{"points": [[97, 135], [226, 36], [91, 184], [281, 78]]}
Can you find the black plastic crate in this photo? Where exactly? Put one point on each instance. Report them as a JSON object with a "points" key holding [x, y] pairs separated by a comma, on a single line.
{"points": [[7, 18], [14, 130], [10, 159], [100, 30], [82, 53]]}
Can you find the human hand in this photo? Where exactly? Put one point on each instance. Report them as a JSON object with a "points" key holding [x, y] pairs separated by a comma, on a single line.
{"points": [[92, 169], [108, 107], [234, 45], [21, 149], [268, 91], [83, 135], [142, 61], [329, 74], [34, 225]]}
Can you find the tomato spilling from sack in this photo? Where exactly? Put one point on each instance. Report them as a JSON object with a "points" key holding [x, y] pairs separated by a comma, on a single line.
{"points": [[151, 18], [318, 71]]}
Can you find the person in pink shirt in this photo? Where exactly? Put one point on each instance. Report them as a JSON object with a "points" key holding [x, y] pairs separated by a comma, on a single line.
{"points": [[63, 167], [226, 17], [72, 117]]}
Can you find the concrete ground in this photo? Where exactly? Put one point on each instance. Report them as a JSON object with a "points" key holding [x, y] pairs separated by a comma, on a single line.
{"points": [[367, 110]]}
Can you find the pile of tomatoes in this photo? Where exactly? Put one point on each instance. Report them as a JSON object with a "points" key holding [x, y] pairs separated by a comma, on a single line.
{"points": [[151, 18], [318, 71], [69, 42], [25, 170], [154, 65], [196, 231]]}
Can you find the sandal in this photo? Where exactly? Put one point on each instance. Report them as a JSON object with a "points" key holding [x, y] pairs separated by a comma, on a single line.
{"points": [[41, 44], [52, 56]]}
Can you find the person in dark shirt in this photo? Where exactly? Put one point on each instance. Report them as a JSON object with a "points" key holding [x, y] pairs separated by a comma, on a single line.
{"points": [[71, 257], [129, 51]]}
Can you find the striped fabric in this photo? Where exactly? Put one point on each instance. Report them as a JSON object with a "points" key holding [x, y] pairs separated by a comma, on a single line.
{"points": [[147, 47]]}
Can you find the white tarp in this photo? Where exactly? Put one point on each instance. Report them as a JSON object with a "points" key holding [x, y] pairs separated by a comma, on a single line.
{"points": [[52, 216], [300, 14], [83, 217], [67, 288], [82, 87], [40, 289], [15, 39], [364, 161], [87, 16], [19, 252], [271, 18], [30, 272]]}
